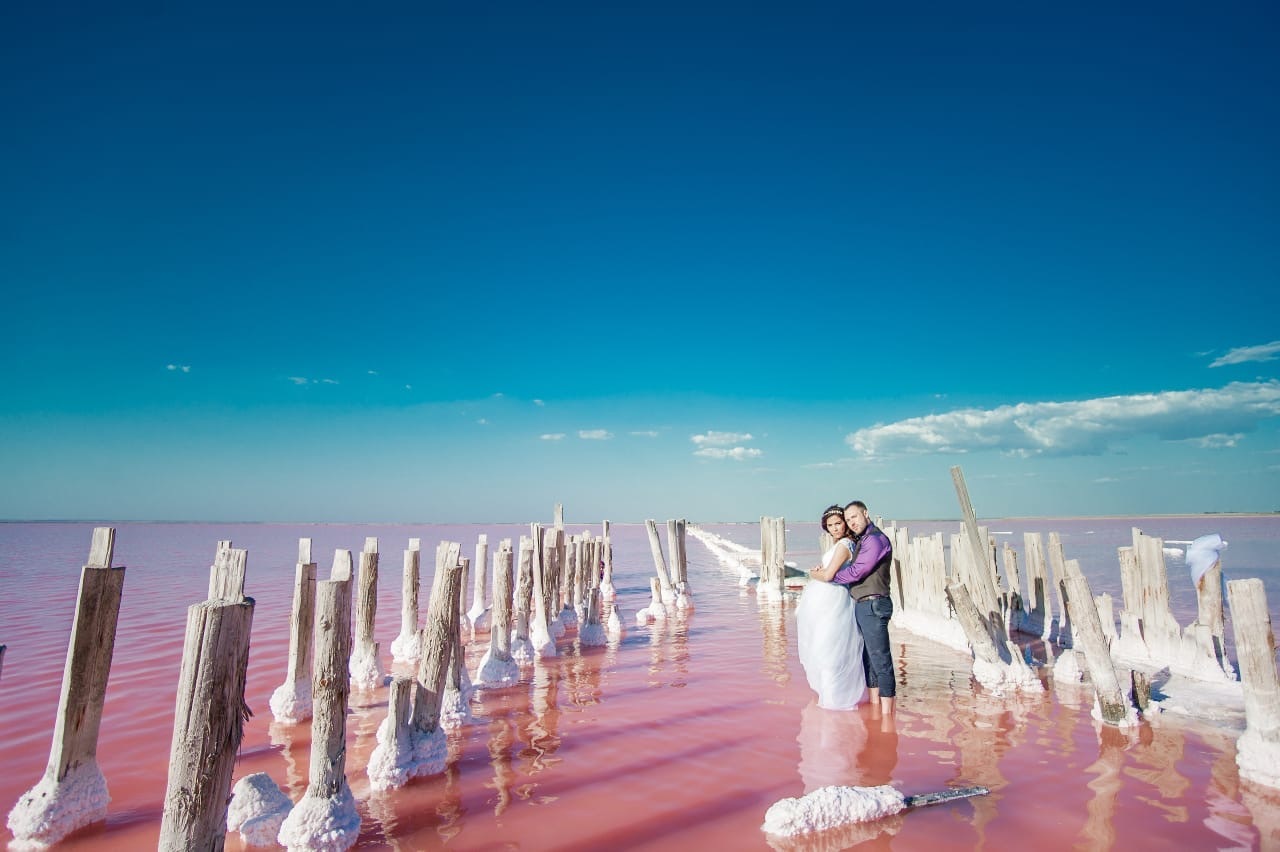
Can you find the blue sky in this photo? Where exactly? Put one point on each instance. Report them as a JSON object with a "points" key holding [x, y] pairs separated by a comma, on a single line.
{"points": [[448, 262]]}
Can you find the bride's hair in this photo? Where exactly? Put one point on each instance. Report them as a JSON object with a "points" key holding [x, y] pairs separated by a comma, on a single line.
{"points": [[828, 512]]}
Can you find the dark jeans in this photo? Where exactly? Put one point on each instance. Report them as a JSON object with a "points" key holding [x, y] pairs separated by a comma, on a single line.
{"points": [[873, 621]]}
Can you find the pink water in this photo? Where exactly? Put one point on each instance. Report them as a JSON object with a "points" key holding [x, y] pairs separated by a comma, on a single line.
{"points": [[679, 736]]}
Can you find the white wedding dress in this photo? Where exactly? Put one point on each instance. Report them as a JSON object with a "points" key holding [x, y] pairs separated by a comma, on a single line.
{"points": [[830, 643]]}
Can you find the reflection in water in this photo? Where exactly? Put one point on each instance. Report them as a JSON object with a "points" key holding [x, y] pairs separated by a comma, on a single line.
{"points": [[295, 777], [773, 630]]}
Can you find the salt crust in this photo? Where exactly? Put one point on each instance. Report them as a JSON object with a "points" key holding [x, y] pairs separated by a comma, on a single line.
{"points": [[1067, 668], [607, 590], [407, 647], [291, 702], [684, 600], [540, 636], [1131, 718], [521, 649], [321, 825], [493, 673], [1258, 759], [455, 707], [479, 617], [829, 807], [592, 634], [258, 807], [366, 669], [52, 809], [393, 764], [614, 625]]}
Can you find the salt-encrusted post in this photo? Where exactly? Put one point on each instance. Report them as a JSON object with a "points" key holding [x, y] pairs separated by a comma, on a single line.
{"points": [[558, 519], [210, 714], [979, 581], [1039, 619], [478, 614], [455, 709], [73, 791], [366, 665], [1015, 605], [1064, 635], [521, 647], [437, 638], [406, 647], [497, 668], [291, 702], [1087, 629], [659, 564], [1258, 750], [325, 816], [540, 621], [553, 557], [995, 666], [606, 582], [592, 631]]}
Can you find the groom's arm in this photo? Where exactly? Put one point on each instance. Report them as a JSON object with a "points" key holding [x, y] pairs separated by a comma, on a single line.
{"points": [[866, 555]]}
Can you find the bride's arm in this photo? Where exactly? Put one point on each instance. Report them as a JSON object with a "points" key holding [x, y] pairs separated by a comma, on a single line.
{"points": [[840, 557]]}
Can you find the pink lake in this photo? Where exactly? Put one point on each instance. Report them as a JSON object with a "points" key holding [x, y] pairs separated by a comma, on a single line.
{"points": [[678, 736]]}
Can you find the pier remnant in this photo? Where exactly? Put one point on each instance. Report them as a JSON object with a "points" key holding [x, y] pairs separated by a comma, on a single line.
{"points": [[73, 791], [407, 646], [291, 701], [1258, 750], [366, 665]]}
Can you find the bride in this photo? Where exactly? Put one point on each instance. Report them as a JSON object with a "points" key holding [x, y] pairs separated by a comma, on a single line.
{"points": [[827, 633]]}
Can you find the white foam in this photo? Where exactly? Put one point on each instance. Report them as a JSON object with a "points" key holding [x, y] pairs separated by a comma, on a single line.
{"points": [[493, 673], [829, 807], [257, 809], [53, 809], [1258, 759]]}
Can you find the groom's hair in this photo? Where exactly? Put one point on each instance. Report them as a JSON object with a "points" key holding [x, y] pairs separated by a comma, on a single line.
{"points": [[858, 503]]}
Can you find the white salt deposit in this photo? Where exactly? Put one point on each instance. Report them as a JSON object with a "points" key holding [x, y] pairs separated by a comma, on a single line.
{"points": [[829, 807], [291, 702], [1067, 667], [53, 809], [321, 825], [607, 590], [684, 600], [407, 647], [569, 617], [540, 638], [592, 634], [455, 708], [614, 625], [257, 809], [521, 649], [366, 669], [393, 763], [1131, 717], [493, 673], [1258, 759], [479, 617], [556, 627]]}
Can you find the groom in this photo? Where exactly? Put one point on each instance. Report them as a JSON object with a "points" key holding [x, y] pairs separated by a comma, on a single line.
{"points": [[868, 578]]}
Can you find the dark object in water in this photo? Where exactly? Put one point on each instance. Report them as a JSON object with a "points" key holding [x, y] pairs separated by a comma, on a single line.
{"points": [[943, 796]]}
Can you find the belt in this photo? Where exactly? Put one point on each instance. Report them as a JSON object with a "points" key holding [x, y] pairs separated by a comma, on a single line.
{"points": [[870, 597]]}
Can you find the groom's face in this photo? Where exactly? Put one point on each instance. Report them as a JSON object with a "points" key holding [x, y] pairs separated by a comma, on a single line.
{"points": [[856, 518]]}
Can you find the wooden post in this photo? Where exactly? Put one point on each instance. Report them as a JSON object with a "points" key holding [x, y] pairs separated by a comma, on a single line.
{"points": [[464, 620], [1212, 630], [659, 564], [673, 551], [1087, 628], [558, 521], [1064, 634], [1016, 606], [437, 644], [1258, 750], [406, 647], [211, 712], [366, 665], [1039, 621], [328, 809], [41, 816], [477, 614], [592, 631], [524, 589], [500, 638], [979, 582], [389, 763], [457, 684], [606, 552], [291, 702]]}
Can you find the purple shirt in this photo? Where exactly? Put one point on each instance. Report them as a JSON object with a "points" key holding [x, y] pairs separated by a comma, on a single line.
{"points": [[871, 548]]}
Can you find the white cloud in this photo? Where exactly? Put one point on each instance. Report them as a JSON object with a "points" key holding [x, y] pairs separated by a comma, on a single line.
{"points": [[539, 403], [595, 434], [650, 433], [299, 380], [1103, 480], [1244, 354], [1083, 427], [329, 381], [483, 421], [819, 466], [735, 453], [373, 372], [408, 387], [497, 395], [1219, 440], [720, 439], [552, 436], [186, 368]]}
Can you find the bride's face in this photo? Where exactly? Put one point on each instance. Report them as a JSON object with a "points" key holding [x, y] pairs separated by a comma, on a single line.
{"points": [[836, 526]]}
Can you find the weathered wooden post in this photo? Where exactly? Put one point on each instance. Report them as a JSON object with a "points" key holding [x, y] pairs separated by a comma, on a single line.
{"points": [[1064, 635], [366, 665], [1039, 618], [407, 646], [291, 701], [326, 813], [390, 762], [995, 666], [437, 638], [478, 615], [1015, 605], [73, 791], [497, 668], [210, 714], [978, 578], [1209, 629], [455, 710], [540, 629], [1258, 750], [592, 631], [659, 564], [1087, 629], [606, 582], [521, 647]]}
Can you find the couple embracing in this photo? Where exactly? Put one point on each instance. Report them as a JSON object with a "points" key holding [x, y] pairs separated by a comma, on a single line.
{"points": [[842, 622]]}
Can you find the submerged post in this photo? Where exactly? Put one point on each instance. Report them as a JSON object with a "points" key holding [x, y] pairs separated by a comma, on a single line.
{"points": [[1258, 750], [327, 811], [291, 702], [73, 791], [406, 646], [1087, 629], [211, 711], [659, 564], [366, 666]]}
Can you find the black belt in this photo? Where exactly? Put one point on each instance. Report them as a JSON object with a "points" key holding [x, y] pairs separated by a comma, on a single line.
{"points": [[870, 597]]}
